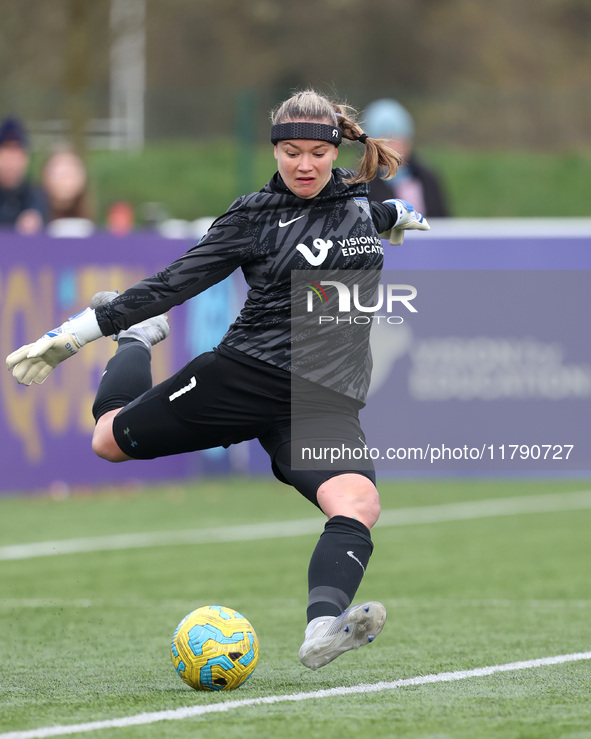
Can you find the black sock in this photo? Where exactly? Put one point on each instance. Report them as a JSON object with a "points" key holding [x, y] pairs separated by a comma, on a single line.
{"points": [[127, 376], [337, 566]]}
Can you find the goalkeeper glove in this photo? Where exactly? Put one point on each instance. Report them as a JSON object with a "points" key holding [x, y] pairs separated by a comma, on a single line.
{"points": [[408, 220], [33, 362]]}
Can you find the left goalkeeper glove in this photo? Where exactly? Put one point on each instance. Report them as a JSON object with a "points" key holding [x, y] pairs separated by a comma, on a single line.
{"points": [[34, 362], [408, 220]]}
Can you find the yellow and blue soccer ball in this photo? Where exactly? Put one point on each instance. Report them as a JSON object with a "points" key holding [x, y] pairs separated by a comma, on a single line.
{"points": [[215, 648]]}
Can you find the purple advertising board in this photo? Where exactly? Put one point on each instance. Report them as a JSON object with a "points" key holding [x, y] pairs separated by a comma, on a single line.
{"points": [[491, 374], [496, 354], [46, 429]]}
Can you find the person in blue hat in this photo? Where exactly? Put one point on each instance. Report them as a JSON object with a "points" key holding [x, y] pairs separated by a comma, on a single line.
{"points": [[22, 206], [414, 182]]}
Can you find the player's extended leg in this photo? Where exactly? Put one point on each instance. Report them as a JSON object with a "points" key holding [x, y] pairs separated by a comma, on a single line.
{"points": [[127, 376], [337, 566]]}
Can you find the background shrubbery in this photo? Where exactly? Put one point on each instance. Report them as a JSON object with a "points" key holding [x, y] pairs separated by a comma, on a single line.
{"points": [[196, 179]]}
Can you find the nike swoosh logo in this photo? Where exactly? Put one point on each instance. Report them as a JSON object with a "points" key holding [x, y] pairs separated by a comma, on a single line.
{"points": [[293, 220], [352, 555]]}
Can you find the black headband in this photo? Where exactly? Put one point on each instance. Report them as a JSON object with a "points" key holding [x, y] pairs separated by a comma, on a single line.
{"points": [[306, 130]]}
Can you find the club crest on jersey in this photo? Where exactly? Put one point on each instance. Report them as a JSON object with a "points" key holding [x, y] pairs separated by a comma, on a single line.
{"points": [[363, 203], [323, 248]]}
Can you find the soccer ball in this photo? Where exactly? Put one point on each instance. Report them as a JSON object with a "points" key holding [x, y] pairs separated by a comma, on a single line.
{"points": [[214, 648]]}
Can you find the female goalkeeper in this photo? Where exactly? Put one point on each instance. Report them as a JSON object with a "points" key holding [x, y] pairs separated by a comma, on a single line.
{"points": [[272, 377]]}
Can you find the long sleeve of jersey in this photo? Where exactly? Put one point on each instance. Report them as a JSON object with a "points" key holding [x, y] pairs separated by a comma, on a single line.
{"points": [[384, 216], [226, 247]]}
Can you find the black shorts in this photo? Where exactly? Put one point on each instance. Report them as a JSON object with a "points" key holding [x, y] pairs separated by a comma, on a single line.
{"points": [[223, 398]]}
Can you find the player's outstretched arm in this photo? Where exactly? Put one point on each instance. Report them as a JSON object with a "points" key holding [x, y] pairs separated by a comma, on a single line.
{"points": [[408, 219], [33, 362]]}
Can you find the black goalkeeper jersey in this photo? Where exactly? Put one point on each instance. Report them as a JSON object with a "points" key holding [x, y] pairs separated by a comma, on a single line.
{"points": [[271, 235]]}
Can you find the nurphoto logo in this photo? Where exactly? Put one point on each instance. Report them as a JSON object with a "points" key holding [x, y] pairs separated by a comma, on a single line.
{"points": [[387, 297]]}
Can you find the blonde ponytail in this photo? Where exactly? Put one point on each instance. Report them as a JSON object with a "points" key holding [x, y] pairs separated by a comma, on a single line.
{"points": [[379, 159]]}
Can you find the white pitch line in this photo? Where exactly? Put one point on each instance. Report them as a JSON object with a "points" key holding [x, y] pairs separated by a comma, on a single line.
{"points": [[201, 710], [399, 603], [467, 510]]}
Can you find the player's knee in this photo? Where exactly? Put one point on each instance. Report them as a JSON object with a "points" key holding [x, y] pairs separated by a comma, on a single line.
{"points": [[370, 506], [350, 495], [105, 448], [103, 441]]}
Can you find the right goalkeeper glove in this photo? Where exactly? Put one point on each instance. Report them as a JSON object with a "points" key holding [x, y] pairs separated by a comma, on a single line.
{"points": [[34, 362], [408, 219]]}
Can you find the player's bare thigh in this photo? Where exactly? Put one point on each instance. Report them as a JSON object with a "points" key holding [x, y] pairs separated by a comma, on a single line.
{"points": [[351, 495], [103, 441]]}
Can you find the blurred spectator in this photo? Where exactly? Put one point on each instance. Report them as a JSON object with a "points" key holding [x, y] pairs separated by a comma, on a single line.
{"points": [[65, 181], [414, 182], [120, 218], [22, 206]]}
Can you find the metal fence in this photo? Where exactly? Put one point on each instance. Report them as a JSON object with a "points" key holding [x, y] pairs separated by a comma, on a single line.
{"points": [[552, 119]]}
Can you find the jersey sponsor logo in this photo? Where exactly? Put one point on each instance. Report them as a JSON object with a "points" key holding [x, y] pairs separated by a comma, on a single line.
{"points": [[315, 259], [185, 389], [361, 245], [283, 224]]}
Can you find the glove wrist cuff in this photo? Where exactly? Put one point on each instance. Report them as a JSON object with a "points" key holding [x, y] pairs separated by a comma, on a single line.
{"points": [[84, 327]]}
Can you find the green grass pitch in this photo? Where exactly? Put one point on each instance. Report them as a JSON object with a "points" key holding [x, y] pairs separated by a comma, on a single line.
{"points": [[85, 637]]}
